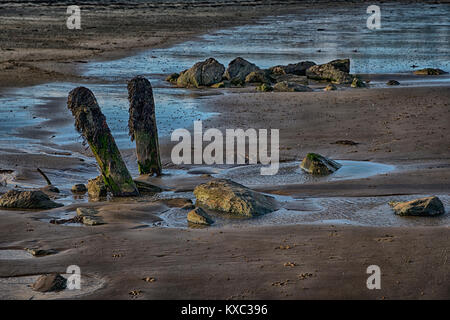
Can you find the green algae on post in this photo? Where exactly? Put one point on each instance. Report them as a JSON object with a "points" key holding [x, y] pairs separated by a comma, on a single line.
{"points": [[142, 125], [91, 123]]}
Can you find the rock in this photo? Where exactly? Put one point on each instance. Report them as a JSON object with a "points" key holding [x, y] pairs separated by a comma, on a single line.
{"points": [[41, 252], [264, 87], [50, 188], [429, 206], [336, 71], [36, 199], [79, 188], [183, 203], [233, 198], [303, 80], [199, 216], [50, 282], [318, 165], [358, 83], [258, 76], [89, 216], [239, 69], [203, 73], [429, 72], [294, 68], [330, 87], [172, 78], [97, 188], [218, 85], [285, 86], [145, 187], [392, 83], [346, 142]]}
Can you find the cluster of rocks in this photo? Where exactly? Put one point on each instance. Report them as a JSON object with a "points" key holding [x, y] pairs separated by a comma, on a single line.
{"points": [[283, 78]]}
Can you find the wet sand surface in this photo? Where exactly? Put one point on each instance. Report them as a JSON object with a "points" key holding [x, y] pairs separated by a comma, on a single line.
{"points": [[330, 229]]}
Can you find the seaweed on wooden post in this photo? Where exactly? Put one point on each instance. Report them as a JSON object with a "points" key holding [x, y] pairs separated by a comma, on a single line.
{"points": [[91, 123], [142, 125]]}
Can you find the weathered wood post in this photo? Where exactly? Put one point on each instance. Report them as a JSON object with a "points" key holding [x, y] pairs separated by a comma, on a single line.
{"points": [[91, 123], [142, 125]]}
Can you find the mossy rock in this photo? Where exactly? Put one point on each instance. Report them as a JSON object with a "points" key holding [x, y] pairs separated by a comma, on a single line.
{"points": [[316, 164], [97, 188], [172, 78], [358, 83], [264, 87]]}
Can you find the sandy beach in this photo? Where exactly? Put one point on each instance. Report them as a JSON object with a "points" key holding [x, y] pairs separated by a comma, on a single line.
{"points": [[326, 231]]}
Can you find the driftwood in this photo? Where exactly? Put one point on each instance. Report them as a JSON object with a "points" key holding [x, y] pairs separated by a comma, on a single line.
{"points": [[142, 125], [91, 123]]}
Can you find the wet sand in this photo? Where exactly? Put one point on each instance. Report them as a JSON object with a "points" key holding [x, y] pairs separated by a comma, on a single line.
{"points": [[403, 127]]}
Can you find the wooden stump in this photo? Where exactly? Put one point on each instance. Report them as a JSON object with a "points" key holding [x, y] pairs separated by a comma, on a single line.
{"points": [[91, 123], [142, 125]]}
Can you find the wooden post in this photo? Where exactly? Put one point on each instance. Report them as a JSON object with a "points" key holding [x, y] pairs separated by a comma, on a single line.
{"points": [[142, 125], [91, 123]]}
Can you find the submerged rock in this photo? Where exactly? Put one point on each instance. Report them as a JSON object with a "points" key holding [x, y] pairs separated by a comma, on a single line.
{"points": [[285, 86], [233, 198], [319, 165], [79, 188], [97, 188], [239, 69], [203, 73], [15, 199], [393, 83], [336, 71], [429, 206], [358, 83], [293, 68], [50, 282], [199, 216], [429, 72]]}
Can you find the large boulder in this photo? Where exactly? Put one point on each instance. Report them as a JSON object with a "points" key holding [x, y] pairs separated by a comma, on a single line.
{"points": [[429, 72], [239, 69], [298, 69], [232, 198], [36, 199], [199, 216], [319, 165], [205, 73], [429, 206], [285, 86], [336, 71]]}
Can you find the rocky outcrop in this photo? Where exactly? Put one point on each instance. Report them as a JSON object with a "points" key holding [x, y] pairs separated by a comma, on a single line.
{"points": [[232, 198], [16, 199], [285, 86], [49, 283], [199, 216], [429, 72], [336, 71], [429, 206], [97, 188], [239, 69], [293, 68], [319, 165], [205, 73]]}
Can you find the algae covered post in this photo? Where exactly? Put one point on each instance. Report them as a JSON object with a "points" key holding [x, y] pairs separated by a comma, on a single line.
{"points": [[91, 123], [142, 125]]}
